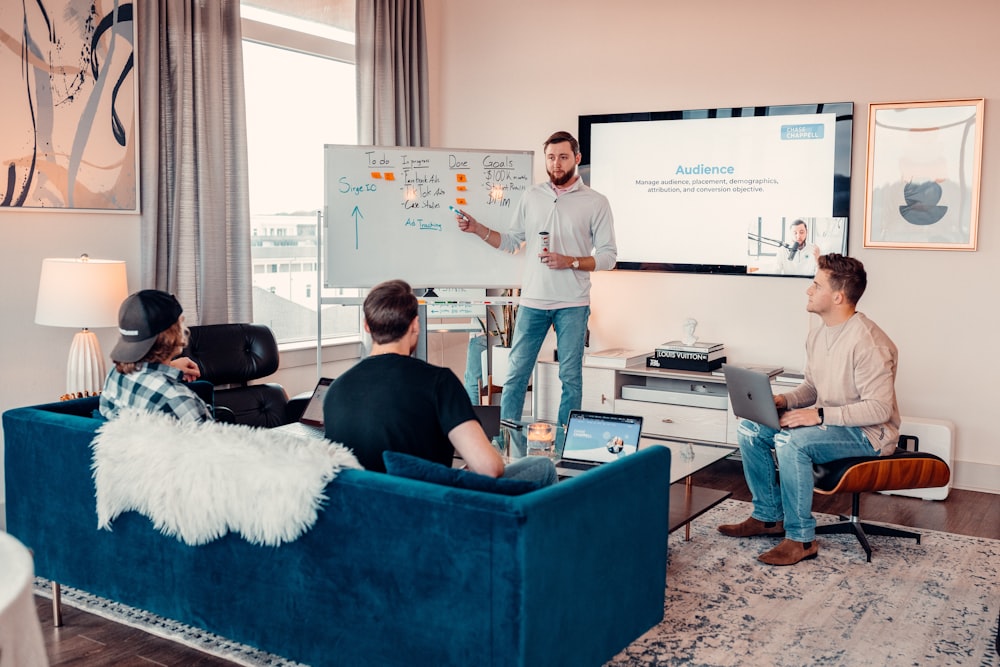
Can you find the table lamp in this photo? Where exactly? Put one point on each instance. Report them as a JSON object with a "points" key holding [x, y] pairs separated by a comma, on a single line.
{"points": [[83, 293]]}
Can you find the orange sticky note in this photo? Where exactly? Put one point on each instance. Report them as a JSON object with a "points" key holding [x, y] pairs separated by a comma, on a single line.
{"points": [[460, 201], [376, 174], [389, 176], [461, 178], [461, 188]]}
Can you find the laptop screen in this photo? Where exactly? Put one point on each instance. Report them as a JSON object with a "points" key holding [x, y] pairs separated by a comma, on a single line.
{"points": [[600, 437], [489, 417], [313, 414]]}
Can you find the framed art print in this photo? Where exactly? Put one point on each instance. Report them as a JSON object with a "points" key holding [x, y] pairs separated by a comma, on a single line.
{"points": [[924, 174], [69, 114]]}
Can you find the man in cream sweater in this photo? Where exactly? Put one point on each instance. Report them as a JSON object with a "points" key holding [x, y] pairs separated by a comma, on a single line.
{"points": [[845, 407]]}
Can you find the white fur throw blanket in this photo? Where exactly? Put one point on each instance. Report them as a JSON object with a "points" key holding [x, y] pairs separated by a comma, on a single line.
{"points": [[196, 482]]}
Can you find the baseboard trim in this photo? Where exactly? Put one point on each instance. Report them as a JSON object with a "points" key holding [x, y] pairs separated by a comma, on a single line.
{"points": [[973, 476]]}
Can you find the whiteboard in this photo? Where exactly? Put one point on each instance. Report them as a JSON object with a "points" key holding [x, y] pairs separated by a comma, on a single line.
{"points": [[386, 215]]}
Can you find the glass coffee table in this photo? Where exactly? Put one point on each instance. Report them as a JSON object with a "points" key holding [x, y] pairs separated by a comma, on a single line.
{"points": [[687, 501]]}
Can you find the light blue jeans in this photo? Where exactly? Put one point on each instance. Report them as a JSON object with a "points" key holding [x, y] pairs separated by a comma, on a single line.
{"points": [[474, 367], [796, 450], [538, 469], [529, 333]]}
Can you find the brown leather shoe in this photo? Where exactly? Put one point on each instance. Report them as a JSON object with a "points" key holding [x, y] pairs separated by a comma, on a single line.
{"points": [[752, 527], [789, 552]]}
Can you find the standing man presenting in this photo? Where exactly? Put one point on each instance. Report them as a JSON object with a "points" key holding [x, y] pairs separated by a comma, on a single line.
{"points": [[845, 407], [555, 289]]}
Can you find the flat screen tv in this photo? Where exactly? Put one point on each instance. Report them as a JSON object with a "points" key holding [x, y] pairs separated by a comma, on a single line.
{"points": [[754, 191]]}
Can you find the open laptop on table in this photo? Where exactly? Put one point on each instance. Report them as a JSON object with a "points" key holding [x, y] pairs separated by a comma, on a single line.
{"points": [[310, 424], [593, 438], [489, 417], [750, 395]]}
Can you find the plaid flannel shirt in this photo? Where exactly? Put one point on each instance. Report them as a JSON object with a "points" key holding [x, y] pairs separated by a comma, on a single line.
{"points": [[153, 388]]}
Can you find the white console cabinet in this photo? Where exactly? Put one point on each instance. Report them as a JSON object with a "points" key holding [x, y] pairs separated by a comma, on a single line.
{"points": [[680, 405], [599, 390]]}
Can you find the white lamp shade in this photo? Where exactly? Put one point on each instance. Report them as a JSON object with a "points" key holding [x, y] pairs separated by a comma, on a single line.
{"points": [[81, 293]]}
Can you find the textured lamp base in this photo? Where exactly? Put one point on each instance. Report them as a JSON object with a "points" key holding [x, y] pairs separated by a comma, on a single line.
{"points": [[85, 369]]}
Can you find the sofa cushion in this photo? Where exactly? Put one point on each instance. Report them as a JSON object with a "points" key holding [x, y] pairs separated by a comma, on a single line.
{"points": [[414, 467]]}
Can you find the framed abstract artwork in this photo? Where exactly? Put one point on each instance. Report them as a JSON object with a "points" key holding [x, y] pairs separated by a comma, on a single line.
{"points": [[69, 114], [924, 162]]}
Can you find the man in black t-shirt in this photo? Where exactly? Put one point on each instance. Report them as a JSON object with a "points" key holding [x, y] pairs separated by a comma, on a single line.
{"points": [[392, 401]]}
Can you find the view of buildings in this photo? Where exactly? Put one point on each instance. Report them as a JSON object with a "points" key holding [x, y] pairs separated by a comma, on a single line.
{"points": [[286, 281]]}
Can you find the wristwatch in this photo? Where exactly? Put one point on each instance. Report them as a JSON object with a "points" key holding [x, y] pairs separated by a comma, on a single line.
{"points": [[821, 417], [576, 263]]}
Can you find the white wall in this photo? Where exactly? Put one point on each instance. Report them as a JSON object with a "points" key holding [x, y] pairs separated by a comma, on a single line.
{"points": [[33, 357], [506, 76]]}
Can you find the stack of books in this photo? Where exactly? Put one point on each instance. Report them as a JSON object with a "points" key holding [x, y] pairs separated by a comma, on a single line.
{"points": [[698, 356], [617, 357]]}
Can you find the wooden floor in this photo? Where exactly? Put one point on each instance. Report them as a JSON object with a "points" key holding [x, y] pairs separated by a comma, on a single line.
{"points": [[91, 641], [86, 640]]}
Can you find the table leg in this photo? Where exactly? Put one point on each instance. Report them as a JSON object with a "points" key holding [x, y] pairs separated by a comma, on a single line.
{"points": [[687, 495]]}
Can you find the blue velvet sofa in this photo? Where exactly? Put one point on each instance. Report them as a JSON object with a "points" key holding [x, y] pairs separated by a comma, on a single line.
{"points": [[394, 572]]}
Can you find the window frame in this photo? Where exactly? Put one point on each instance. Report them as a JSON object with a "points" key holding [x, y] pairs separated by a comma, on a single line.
{"points": [[276, 36]]}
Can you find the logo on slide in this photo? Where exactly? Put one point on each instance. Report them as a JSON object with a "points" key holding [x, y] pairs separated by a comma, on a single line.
{"points": [[800, 132]]}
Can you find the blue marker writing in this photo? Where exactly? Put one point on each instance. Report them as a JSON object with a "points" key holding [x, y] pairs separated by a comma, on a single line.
{"points": [[457, 212]]}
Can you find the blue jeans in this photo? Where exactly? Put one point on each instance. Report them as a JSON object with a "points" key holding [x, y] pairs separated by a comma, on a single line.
{"points": [[529, 333], [796, 450], [474, 367], [538, 469]]}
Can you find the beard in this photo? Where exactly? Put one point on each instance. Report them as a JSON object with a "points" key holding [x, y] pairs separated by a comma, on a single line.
{"points": [[564, 179]]}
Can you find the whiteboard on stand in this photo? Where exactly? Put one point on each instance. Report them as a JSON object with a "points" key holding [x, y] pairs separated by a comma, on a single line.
{"points": [[386, 215]]}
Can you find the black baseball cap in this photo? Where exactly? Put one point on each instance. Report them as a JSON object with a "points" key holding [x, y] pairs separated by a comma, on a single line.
{"points": [[141, 318]]}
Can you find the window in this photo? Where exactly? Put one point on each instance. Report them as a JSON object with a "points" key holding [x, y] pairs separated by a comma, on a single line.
{"points": [[300, 94]]}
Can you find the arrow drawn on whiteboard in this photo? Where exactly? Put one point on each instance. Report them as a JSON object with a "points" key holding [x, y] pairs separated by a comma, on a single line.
{"points": [[356, 213]]}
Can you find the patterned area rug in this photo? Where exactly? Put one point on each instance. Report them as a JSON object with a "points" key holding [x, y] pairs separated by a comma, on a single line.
{"points": [[929, 604]]}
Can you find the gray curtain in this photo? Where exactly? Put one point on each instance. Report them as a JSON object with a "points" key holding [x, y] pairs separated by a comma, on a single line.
{"points": [[193, 150], [391, 53]]}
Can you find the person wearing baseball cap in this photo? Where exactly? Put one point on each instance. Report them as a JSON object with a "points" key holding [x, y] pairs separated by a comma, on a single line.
{"points": [[147, 374]]}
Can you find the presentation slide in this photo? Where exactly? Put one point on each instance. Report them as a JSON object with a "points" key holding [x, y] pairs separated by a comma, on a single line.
{"points": [[718, 190]]}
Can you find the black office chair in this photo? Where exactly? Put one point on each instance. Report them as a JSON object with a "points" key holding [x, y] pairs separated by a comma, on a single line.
{"points": [[231, 356]]}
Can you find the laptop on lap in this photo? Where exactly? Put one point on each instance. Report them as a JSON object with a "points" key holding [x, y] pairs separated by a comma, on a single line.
{"points": [[750, 395], [310, 424], [593, 438]]}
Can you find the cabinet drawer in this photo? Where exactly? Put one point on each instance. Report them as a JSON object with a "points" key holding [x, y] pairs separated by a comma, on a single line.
{"points": [[598, 389], [677, 421]]}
